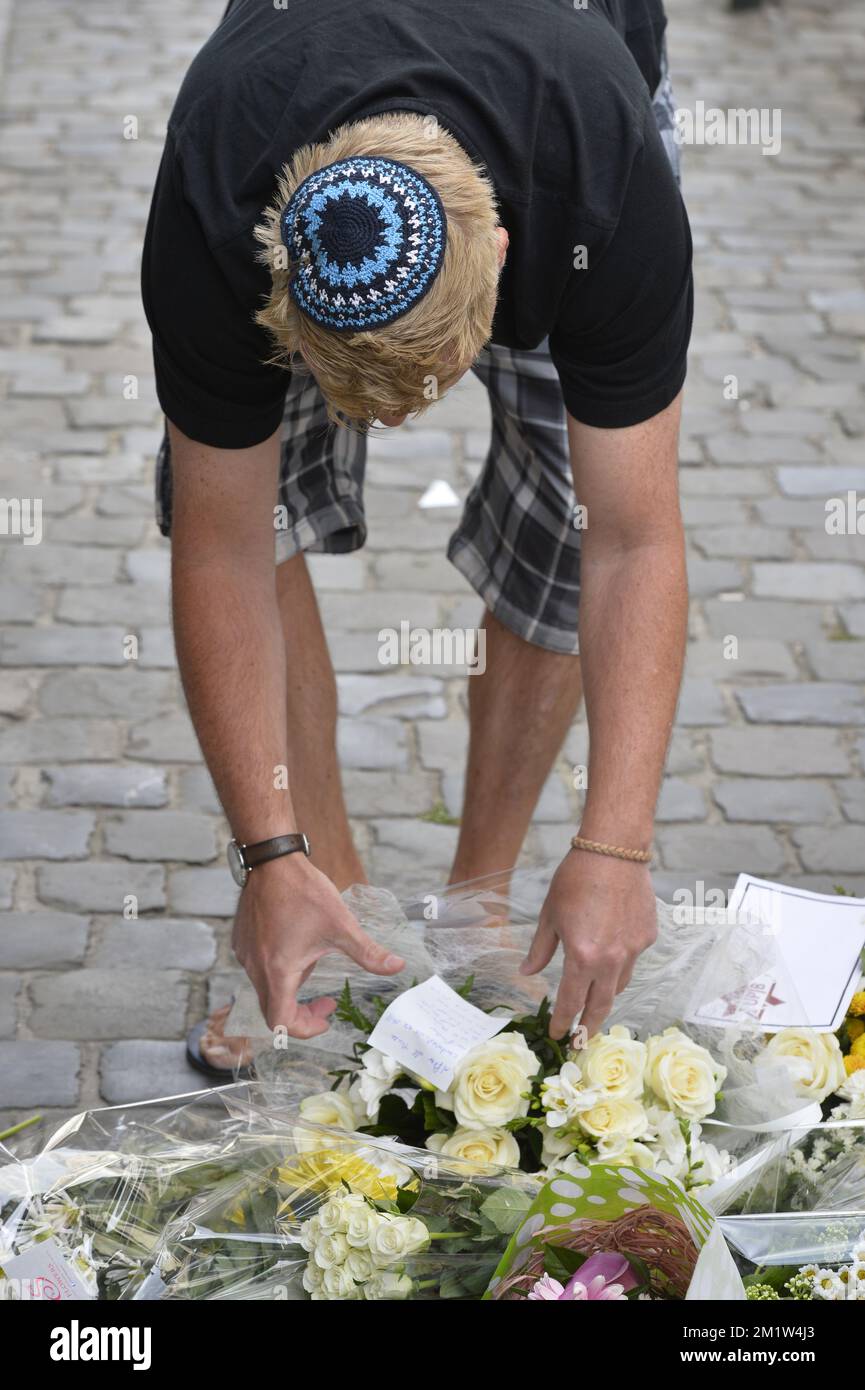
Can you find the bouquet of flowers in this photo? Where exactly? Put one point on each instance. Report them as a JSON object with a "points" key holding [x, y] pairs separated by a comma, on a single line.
{"points": [[613, 1234], [343, 1174], [522, 1100], [835, 1281]]}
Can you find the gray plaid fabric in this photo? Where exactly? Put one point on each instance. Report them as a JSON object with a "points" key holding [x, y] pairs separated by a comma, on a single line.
{"points": [[516, 543]]}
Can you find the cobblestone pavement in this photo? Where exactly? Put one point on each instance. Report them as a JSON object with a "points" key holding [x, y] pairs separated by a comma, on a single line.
{"points": [[102, 790]]}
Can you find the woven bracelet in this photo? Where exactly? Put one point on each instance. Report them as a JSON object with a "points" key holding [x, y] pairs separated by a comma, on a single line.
{"points": [[637, 856]]}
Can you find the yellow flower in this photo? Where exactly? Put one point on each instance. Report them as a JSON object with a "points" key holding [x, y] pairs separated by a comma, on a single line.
{"points": [[330, 1168], [855, 1028], [853, 1063], [857, 1004], [858, 1048]]}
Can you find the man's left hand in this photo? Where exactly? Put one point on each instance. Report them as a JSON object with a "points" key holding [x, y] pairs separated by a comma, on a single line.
{"points": [[603, 912]]}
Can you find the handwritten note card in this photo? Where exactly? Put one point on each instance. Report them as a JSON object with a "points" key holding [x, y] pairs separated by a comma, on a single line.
{"points": [[430, 1028]]}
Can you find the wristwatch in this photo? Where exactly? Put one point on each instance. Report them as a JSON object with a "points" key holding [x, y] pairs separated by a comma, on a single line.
{"points": [[242, 859]]}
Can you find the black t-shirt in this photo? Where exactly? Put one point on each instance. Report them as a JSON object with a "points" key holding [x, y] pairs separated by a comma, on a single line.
{"points": [[553, 100]]}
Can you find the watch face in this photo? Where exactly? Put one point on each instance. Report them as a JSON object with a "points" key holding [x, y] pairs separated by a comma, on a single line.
{"points": [[239, 871]]}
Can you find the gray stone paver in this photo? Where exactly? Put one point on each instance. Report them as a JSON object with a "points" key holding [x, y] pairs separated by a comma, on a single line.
{"points": [[117, 910]]}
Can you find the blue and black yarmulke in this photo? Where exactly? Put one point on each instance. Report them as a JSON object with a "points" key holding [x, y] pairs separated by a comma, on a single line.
{"points": [[366, 237]]}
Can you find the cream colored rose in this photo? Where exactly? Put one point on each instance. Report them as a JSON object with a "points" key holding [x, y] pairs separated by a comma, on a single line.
{"points": [[330, 1108], [616, 1063], [482, 1148], [814, 1060], [490, 1080], [682, 1074], [394, 1238], [620, 1119]]}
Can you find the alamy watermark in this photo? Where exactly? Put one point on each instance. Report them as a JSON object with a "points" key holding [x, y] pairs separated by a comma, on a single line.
{"points": [[434, 646], [21, 516], [737, 125]]}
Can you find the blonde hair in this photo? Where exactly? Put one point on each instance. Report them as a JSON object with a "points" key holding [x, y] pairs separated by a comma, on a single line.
{"points": [[402, 368]]}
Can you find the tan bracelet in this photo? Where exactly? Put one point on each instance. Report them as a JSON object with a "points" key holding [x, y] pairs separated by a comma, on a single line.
{"points": [[637, 856]]}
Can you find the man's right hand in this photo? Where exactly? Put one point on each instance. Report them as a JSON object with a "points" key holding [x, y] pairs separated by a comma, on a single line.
{"points": [[288, 917]]}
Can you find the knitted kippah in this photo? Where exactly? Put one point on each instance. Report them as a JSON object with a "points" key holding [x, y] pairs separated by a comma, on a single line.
{"points": [[367, 236]]}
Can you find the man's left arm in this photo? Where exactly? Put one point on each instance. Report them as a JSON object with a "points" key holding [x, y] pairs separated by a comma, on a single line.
{"points": [[633, 624]]}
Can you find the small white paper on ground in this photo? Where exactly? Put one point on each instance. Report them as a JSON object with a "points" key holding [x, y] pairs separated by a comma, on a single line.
{"points": [[430, 1028], [44, 1272], [819, 938], [439, 494]]}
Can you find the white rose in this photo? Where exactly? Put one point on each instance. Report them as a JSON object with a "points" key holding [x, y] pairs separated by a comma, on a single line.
{"points": [[310, 1233], [359, 1223], [814, 1060], [621, 1119], [313, 1277], [615, 1062], [331, 1217], [614, 1149], [482, 1148], [376, 1078], [394, 1238], [359, 1265], [332, 1108], [388, 1285], [330, 1251], [489, 1082], [682, 1074], [338, 1283]]}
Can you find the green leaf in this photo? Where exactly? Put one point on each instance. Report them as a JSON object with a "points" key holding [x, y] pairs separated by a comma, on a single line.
{"points": [[434, 1121], [466, 988], [560, 1263], [505, 1209], [405, 1199], [396, 1120], [348, 1012]]}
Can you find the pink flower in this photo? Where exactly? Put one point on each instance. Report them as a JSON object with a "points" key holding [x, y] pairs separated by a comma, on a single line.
{"points": [[547, 1288], [604, 1277]]}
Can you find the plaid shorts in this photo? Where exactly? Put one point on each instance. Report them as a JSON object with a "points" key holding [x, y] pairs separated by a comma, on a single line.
{"points": [[516, 542]]}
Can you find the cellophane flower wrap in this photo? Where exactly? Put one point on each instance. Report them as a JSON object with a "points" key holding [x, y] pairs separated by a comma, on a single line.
{"points": [[340, 1175], [643, 1092]]}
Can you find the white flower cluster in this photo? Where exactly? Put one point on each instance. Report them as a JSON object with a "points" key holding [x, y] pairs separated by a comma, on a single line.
{"points": [[853, 1095], [356, 1251], [638, 1103], [838, 1285]]}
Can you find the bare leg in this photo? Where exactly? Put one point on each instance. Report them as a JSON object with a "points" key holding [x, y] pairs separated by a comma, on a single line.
{"points": [[313, 771], [519, 712]]}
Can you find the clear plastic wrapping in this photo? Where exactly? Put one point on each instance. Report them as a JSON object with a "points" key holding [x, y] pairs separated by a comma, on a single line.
{"points": [[215, 1195]]}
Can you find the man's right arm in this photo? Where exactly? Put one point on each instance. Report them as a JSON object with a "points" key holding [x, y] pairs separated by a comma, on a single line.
{"points": [[232, 660]]}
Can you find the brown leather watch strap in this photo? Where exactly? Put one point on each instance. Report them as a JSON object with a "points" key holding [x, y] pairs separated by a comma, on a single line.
{"points": [[274, 849]]}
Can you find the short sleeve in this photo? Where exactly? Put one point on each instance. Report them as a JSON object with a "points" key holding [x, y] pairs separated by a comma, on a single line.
{"points": [[209, 355], [621, 338]]}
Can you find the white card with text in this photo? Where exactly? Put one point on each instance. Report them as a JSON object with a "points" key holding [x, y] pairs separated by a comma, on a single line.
{"points": [[430, 1028], [44, 1272], [819, 937]]}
